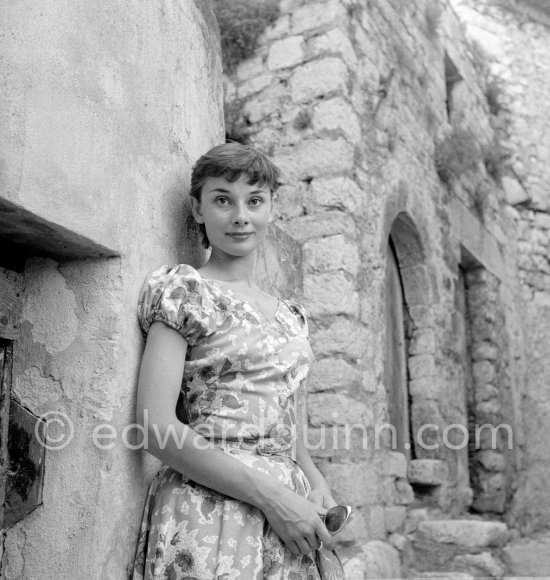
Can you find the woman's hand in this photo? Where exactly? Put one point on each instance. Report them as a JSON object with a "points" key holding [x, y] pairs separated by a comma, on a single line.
{"points": [[296, 521], [322, 497]]}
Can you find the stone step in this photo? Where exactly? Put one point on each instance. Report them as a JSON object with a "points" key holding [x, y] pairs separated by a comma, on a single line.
{"points": [[472, 535], [459, 545], [529, 557], [442, 576]]}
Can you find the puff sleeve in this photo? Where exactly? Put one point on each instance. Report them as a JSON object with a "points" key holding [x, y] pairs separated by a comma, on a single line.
{"points": [[176, 296], [301, 314]]}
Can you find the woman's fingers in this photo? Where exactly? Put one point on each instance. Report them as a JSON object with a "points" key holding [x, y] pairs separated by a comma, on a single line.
{"points": [[323, 535], [318, 498], [303, 546]]}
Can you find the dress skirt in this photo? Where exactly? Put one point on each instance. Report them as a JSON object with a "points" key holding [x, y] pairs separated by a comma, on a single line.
{"points": [[194, 533]]}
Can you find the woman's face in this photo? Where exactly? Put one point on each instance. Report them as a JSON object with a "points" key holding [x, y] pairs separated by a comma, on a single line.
{"points": [[235, 215]]}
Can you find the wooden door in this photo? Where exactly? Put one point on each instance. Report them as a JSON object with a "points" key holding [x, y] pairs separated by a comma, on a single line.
{"points": [[396, 356]]}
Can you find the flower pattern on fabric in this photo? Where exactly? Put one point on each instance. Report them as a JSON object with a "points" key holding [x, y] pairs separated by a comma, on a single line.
{"points": [[242, 371]]}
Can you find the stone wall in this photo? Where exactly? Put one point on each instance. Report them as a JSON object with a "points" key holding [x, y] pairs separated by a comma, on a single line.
{"points": [[514, 39], [353, 100], [105, 107]]}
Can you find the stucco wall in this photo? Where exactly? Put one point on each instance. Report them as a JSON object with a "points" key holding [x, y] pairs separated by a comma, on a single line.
{"points": [[106, 105]]}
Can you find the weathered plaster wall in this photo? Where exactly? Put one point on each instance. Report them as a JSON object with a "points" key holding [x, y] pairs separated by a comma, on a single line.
{"points": [[516, 44], [349, 98], [106, 106]]}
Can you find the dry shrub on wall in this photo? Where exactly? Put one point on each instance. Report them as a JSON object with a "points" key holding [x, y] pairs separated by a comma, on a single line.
{"points": [[302, 120], [495, 158], [456, 154], [494, 94], [432, 15], [241, 24], [236, 126]]}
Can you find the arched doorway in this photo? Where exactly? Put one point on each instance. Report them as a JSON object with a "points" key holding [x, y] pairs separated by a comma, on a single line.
{"points": [[396, 354]]}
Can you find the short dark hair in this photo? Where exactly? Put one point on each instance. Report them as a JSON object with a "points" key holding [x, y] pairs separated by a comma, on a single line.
{"points": [[231, 160]]}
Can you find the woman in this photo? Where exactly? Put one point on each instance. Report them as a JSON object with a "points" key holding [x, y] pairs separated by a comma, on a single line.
{"points": [[239, 496]]}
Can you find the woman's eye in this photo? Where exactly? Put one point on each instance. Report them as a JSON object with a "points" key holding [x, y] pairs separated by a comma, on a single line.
{"points": [[256, 201], [222, 200]]}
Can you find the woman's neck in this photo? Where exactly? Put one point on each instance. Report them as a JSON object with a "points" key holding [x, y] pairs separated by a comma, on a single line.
{"points": [[228, 268]]}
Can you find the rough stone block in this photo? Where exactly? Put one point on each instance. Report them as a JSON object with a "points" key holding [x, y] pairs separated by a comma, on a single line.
{"points": [[382, 560], [280, 28], [488, 436], [394, 464], [336, 409], [330, 293], [319, 225], [376, 522], [484, 564], [434, 556], [445, 576], [491, 460], [394, 517], [249, 68], [337, 115], [315, 17], [426, 413], [310, 159], [418, 289], [319, 78], [425, 387], [355, 568], [343, 336], [422, 365], [254, 85], [404, 492], [263, 104], [354, 484], [486, 411], [484, 351], [399, 541], [485, 393], [542, 220], [422, 315], [286, 53], [529, 557], [340, 193], [514, 191], [414, 517], [423, 342], [340, 441], [471, 534], [356, 530], [483, 372], [333, 42], [332, 253], [332, 374], [427, 471]]}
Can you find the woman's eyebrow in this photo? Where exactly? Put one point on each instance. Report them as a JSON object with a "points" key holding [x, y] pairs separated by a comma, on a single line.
{"points": [[222, 190], [218, 190]]}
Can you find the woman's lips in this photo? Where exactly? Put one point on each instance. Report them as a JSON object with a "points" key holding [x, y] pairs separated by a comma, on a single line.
{"points": [[240, 235]]}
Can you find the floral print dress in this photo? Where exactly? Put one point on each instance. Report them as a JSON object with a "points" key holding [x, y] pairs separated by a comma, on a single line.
{"points": [[242, 371]]}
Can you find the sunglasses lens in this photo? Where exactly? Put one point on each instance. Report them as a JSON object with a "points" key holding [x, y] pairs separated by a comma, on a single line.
{"points": [[335, 518]]}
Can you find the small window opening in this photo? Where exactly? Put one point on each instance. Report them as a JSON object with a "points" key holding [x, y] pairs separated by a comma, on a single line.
{"points": [[452, 79]]}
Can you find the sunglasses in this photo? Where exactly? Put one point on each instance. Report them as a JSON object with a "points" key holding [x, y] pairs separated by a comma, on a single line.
{"points": [[336, 517]]}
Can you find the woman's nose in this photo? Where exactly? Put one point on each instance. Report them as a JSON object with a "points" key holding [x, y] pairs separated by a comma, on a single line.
{"points": [[240, 217]]}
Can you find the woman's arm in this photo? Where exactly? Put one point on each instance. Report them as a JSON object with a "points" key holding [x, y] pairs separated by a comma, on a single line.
{"points": [[294, 518], [320, 494]]}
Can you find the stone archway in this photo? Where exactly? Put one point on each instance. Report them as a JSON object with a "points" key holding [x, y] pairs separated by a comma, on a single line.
{"points": [[418, 387]]}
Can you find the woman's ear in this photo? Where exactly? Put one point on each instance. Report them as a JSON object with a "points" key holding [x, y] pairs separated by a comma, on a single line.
{"points": [[273, 210], [196, 210]]}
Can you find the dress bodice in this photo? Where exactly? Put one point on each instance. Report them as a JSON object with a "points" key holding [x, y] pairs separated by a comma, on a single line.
{"points": [[242, 369]]}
